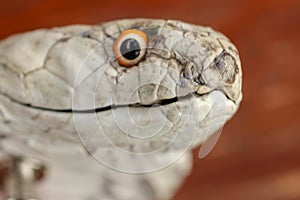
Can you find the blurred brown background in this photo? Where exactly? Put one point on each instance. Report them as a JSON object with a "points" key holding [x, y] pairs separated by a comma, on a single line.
{"points": [[258, 154]]}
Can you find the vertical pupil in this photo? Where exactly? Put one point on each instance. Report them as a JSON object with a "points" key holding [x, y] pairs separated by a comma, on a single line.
{"points": [[130, 49]]}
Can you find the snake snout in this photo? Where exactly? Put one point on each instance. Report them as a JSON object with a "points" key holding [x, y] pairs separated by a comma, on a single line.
{"points": [[224, 74], [210, 63]]}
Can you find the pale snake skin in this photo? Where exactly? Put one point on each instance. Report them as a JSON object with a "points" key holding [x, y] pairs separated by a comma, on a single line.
{"points": [[45, 74]]}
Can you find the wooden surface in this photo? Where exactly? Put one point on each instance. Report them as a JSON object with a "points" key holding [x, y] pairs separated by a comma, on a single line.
{"points": [[258, 154]]}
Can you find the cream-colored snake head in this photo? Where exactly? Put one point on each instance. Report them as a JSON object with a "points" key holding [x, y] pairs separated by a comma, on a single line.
{"points": [[138, 85], [137, 94], [135, 86]]}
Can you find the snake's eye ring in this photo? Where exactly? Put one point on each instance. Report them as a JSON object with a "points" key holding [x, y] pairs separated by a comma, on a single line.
{"points": [[130, 47]]}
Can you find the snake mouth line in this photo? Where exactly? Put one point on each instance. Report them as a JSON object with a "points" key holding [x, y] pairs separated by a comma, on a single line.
{"points": [[162, 102]]}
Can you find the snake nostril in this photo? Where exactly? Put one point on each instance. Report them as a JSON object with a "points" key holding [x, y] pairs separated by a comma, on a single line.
{"points": [[199, 79], [190, 72]]}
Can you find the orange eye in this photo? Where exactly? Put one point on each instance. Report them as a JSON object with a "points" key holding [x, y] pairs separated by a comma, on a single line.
{"points": [[130, 47]]}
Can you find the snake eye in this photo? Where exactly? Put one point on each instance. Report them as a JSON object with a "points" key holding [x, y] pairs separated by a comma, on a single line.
{"points": [[130, 47]]}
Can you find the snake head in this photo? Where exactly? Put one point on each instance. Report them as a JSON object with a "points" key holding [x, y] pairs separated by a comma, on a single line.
{"points": [[152, 84]]}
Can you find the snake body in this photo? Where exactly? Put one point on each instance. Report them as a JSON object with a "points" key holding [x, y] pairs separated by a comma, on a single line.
{"points": [[64, 96]]}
